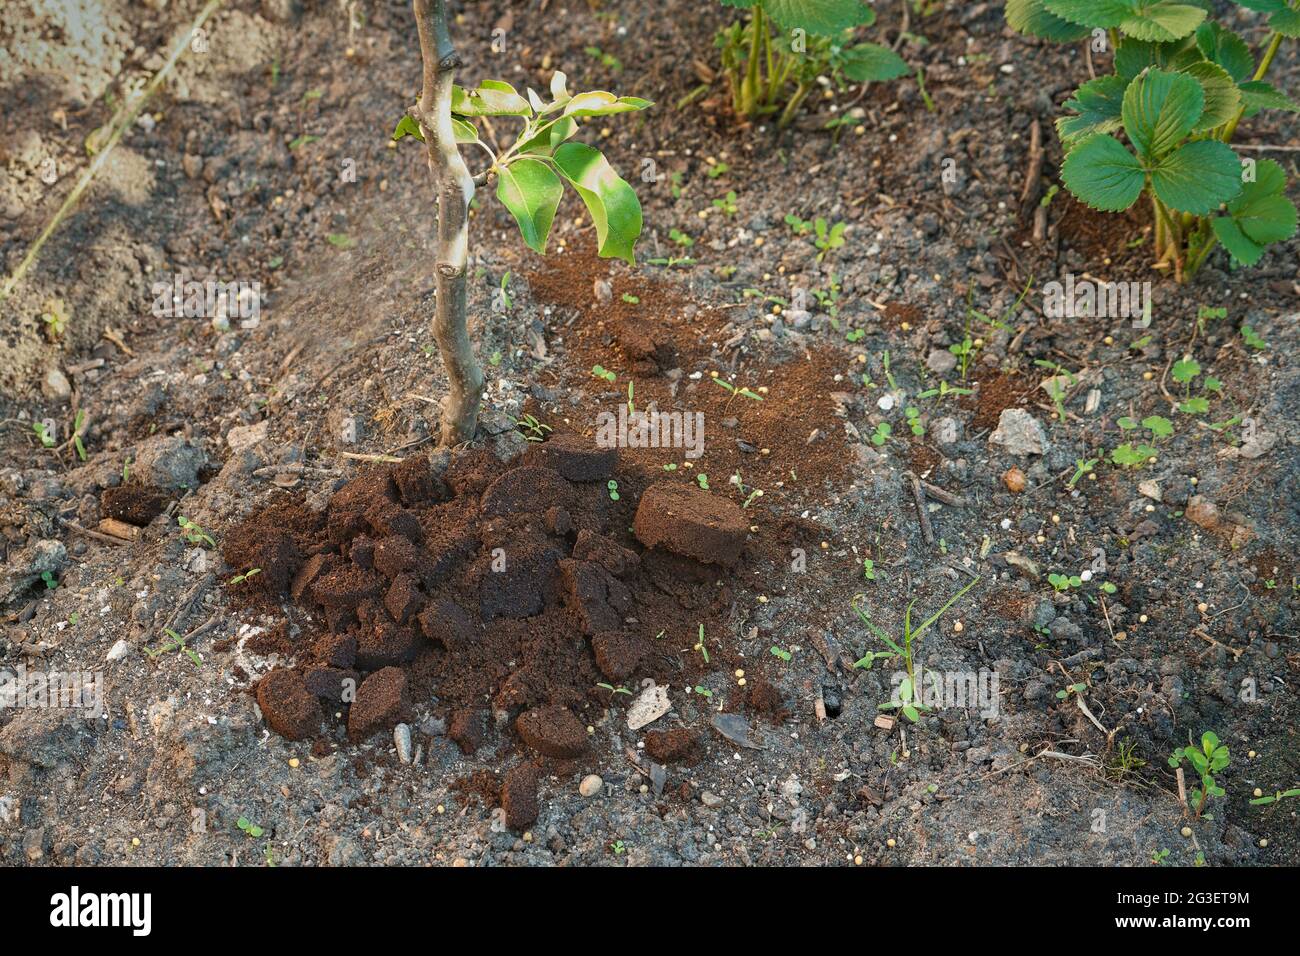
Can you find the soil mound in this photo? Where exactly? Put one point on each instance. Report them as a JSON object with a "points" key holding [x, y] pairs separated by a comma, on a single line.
{"points": [[485, 590]]}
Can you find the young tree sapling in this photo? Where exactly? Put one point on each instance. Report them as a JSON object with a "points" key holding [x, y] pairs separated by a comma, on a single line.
{"points": [[529, 182]]}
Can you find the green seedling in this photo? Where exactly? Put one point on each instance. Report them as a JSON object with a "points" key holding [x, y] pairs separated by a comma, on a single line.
{"points": [[1132, 456], [882, 434], [703, 691], [753, 496], [1071, 689], [615, 690], [699, 646], [177, 644], [681, 238], [1253, 338], [612, 486], [1159, 856], [828, 238], [630, 299], [1063, 582], [868, 569], [703, 481], [1124, 761], [964, 350], [50, 581], [533, 429], [44, 434], [607, 60], [193, 533], [241, 578], [943, 391], [1207, 759], [1056, 391], [599, 371], [1081, 468], [1277, 797], [716, 170], [1182, 82], [745, 392], [772, 72], [250, 828], [55, 318], [907, 691], [781, 653], [727, 204], [913, 416]]}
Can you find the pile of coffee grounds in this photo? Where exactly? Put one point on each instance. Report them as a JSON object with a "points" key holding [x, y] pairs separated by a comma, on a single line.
{"points": [[499, 596]]}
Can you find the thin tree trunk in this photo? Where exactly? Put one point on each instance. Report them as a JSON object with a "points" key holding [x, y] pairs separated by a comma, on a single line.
{"points": [[455, 189]]}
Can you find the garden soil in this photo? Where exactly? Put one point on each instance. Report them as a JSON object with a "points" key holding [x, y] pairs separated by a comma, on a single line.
{"points": [[383, 652]]}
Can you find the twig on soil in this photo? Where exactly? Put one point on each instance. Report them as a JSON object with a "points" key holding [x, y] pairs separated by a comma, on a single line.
{"points": [[383, 459], [946, 497], [1236, 653], [97, 536], [918, 496], [127, 120], [183, 609], [1034, 174]]}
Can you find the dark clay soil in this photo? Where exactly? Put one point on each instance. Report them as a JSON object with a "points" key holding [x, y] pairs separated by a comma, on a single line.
{"points": [[505, 593]]}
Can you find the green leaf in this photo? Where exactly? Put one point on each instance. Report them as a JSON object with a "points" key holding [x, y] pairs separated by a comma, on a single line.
{"points": [[545, 141], [1199, 405], [601, 103], [407, 126], [1097, 104], [1031, 17], [1258, 95], [1103, 174], [1134, 56], [1262, 213], [1094, 14], [612, 203], [910, 713], [492, 98], [532, 193], [1239, 245], [1198, 177], [1184, 370], [1159, 427], [1160, 109], [1226, 49], [871, 62], [1286, 22], [463, 131], [1162, 20], [1222, 97], [820, 17]]}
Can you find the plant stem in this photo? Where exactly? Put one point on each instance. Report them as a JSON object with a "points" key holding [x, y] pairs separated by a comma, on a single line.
{"points": [[758, 25], [1264, 64], [455, 188], [792, 107]]}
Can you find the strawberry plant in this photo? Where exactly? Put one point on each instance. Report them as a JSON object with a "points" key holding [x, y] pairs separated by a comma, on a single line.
{"points": [[1181, 84], [774, 73], [530, 175]]}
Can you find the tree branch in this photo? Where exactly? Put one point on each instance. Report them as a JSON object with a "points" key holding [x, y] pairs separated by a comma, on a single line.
{"points": [[455, 189]]}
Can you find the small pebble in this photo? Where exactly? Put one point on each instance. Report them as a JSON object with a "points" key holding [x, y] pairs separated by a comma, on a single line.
{"points": [[591, 785], [1014, 479], [1186, 831]]}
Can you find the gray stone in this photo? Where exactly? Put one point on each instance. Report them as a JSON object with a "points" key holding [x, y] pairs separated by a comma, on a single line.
{"points": [[25, 568], [940, 361], [169, 461], [1019, 433]]}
